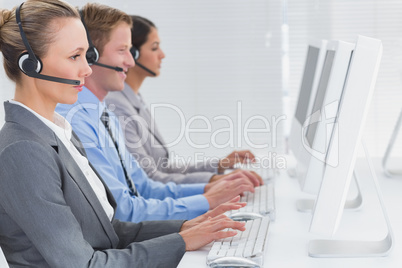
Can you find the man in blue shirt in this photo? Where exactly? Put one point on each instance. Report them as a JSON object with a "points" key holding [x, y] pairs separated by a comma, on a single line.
{"points": [[146, 199]]}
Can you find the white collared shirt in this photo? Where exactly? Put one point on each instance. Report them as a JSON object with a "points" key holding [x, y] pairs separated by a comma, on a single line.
{"points": [[63, 131]]}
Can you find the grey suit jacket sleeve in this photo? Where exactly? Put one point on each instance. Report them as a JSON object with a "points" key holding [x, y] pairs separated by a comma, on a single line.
{"points": [[141, 141], [47, 221]]}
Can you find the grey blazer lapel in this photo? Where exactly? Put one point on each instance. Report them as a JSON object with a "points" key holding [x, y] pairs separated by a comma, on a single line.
{"points": [[20, 115], [77, 175], [77, 143]]}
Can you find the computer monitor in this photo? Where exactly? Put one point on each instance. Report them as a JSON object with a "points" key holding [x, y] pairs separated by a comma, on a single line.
{"points": [[353, 109], [312, 71], [317, 129]]}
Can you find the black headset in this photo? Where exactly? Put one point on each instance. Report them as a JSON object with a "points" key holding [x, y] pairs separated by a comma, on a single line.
{"points": [[31, 65], [136, 54], [92, 54]]}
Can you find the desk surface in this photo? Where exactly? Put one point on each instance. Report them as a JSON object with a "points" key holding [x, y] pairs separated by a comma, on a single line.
{"points": [[3, 262], [287, 245], [289, 236]]}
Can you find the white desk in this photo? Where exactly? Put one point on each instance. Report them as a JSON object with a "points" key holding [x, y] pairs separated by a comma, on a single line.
{"points": [[289, 236]]}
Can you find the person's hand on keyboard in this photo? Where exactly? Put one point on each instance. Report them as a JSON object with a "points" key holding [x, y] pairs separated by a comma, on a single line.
{"points": [[233, 204], [254, 178], [225, 189], [210, 230], [233, 158]]}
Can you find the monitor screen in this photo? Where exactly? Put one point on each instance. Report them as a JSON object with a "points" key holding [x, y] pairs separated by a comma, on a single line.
{"points": [[320, 95], [317, 130], [307, 83]]}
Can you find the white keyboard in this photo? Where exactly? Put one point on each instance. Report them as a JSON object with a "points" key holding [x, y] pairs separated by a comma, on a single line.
{"points": [[262, 201], [248, 245]]}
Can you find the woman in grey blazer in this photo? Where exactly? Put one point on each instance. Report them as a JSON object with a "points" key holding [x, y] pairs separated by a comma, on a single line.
{"points": [[143, 138], [55, 211]]}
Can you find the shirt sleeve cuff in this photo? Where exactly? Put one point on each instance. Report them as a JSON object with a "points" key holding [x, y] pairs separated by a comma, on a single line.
{"points": [[197, 205], [191, 189]]}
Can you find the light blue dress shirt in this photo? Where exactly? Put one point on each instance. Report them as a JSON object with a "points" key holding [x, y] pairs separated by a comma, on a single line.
{"points": [[157, 201]]}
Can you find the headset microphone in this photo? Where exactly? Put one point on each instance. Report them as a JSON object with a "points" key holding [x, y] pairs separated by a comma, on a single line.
{"points": [[117, 69], [136, 54], [145, 68], [31, 65], [92, 54]]}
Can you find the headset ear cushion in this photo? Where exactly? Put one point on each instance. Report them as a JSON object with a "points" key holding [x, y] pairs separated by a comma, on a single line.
{"points": [[29, 65], [135, 52], [92, 55]]}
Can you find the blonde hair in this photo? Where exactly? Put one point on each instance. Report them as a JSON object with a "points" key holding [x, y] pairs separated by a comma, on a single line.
{"points": [[36, 17], [100, 20]]}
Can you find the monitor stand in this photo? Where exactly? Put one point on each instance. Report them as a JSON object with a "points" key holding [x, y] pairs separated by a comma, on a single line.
{"points": [[387, 154], [307, 205], [353, 248]]}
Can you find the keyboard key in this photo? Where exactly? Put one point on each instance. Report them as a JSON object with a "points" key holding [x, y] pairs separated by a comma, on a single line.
{"points": [[262, 201], [249, 244]]}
